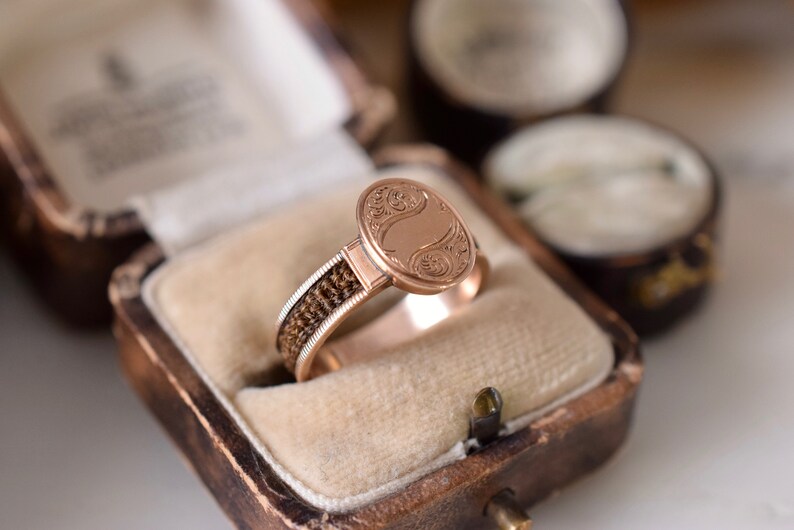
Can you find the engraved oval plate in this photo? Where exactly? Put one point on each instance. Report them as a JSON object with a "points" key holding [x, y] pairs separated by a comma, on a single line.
{"points": [[415, 236]]}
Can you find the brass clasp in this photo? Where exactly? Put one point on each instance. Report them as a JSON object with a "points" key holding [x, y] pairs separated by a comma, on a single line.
{"points": [[486, 416], [506, 512]]}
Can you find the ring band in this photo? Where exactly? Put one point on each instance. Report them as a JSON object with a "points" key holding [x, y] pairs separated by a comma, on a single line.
{"points": [[409, 237]]}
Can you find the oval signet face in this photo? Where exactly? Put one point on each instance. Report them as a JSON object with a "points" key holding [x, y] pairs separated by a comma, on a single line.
{"points": [[415, 235]]}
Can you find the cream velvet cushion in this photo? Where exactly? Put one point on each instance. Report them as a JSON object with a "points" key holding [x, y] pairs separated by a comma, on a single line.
{"points": [[348, 438]]}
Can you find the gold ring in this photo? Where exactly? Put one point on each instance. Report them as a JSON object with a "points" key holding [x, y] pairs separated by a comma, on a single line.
{"points": [[411, 238]]}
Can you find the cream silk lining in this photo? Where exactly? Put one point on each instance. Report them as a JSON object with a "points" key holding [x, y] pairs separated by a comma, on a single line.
{"points": [[127, 97]]}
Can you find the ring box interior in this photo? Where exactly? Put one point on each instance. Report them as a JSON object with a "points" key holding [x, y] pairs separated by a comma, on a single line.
{"points": [[383, 443], [102, 99]]}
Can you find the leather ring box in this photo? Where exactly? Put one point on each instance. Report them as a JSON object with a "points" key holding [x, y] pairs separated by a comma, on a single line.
{"points": [[479, 71], [565, 442], [629, 206], [69, 249]]}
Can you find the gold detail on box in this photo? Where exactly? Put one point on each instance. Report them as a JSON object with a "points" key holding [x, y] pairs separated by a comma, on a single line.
{"points": [[507, 513], [677, 276]]}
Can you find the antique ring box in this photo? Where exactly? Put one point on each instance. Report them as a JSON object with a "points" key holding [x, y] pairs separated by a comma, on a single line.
{"points": [[480, 69], [527, 388], [630, 207], [101, 100], [409, 237]]}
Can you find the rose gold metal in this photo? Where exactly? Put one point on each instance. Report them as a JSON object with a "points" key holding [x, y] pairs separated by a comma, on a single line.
{"points": [[412, 314], [370, 276], [414, 236], [409, 237]]}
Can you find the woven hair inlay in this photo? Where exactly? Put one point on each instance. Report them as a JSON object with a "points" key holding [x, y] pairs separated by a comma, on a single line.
{"points": [[334, 288]]}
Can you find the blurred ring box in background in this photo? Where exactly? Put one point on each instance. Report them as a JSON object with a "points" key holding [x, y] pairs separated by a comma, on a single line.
{"points": [[478, 70], [631, 208]]}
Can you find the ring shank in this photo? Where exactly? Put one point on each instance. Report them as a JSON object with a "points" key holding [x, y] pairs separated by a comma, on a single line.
{"points": [[310, 313], [413, 314], [330, 295]]}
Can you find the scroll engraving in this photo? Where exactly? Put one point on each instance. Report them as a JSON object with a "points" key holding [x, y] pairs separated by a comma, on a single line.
{"points": [[417, 231]]}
